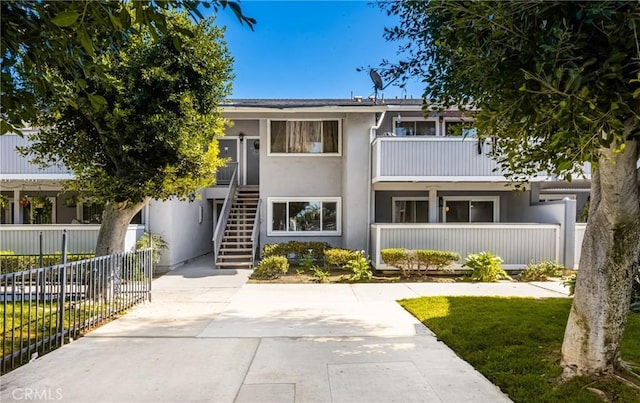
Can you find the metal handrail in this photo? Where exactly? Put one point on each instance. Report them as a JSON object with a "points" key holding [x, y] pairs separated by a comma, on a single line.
{"points": [[224, 215], [255, 234]]}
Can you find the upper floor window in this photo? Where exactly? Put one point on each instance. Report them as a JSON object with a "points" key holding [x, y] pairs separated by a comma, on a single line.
{"points": [[305, 137]]}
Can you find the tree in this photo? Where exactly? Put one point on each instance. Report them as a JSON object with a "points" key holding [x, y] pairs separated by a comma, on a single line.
{"points": [[73, 34], [153, 135], [557, 85]]}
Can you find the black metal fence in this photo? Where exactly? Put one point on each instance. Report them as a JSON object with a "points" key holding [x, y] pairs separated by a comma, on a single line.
{"points": [[44, 308]]}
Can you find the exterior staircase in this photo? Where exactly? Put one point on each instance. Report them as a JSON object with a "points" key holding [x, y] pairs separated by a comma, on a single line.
{"points": [[236, 249]]}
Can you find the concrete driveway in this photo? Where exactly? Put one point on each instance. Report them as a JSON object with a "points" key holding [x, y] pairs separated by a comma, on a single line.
{"points": [[207, 336]]}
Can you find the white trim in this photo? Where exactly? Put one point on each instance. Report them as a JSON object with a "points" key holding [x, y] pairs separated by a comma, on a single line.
{"points": [[502, 225], [271, 200], [321, 154], [406, 198], [304, 109], [494, 199]]}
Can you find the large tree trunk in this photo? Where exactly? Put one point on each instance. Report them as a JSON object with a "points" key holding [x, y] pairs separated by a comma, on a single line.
{"points": [[105, 280], [610, 256], [113, 229]]}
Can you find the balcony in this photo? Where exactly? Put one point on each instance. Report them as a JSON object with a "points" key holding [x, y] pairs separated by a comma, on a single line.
{"points": [[14, 166], [440, 159]]}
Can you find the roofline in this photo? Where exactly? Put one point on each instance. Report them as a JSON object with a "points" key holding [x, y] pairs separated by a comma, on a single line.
{"points": [[297, 109]]}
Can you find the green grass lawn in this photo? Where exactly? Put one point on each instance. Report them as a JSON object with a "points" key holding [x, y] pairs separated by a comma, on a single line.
{"points": [[515, 343]]}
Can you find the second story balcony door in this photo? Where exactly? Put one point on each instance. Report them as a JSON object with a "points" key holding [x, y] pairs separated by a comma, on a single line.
{"points": [[243, 153]]}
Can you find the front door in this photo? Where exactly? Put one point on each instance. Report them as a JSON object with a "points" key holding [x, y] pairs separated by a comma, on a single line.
{"points": [[228, 149], [252, 161]]}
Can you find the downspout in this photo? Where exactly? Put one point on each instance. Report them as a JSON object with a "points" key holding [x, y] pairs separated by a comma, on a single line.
{"points": [[372, 137]]}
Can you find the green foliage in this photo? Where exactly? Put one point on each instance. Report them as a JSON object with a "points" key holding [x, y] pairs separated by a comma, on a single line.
{"points": [[394, 256], [485, 267], [10, 263], [564, 75], [571, 283], [541, 271], [320, 275], [339, 257], [152, 238], [271, 267], [360, 267], [515, 343], [421, 260], [72, 36], [154, 134], [436, 258], [298, 249]]}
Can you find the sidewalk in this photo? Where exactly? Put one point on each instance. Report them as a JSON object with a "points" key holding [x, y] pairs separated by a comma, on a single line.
{"points": [[208, 336]]}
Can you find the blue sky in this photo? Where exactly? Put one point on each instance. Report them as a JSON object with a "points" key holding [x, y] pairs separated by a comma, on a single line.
{"points": [[309, 49]]}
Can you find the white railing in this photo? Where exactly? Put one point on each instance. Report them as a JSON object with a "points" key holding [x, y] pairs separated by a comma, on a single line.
{"points": [[15, 166], [517, 244], [218, 233], [579, 237], [442, 158], [255, 233], [24, 239]]}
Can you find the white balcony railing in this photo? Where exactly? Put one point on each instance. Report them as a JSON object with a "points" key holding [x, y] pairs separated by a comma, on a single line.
{"points": [[517, 244], [15, 166], [432, 159]]}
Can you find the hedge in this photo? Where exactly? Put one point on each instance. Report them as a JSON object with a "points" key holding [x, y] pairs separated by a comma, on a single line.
{"points": [[10, 263], [418, 260], [271, 267], [297, 249], [339, 257]]}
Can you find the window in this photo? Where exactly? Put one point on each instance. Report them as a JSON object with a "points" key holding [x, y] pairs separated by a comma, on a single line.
{"points": [[410, 210], [304, 216], [471, 209], [459, 128], [415, 126], [304, 137]]}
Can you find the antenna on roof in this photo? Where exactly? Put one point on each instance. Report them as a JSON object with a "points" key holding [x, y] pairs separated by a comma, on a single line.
{"points": [[378, 84]]}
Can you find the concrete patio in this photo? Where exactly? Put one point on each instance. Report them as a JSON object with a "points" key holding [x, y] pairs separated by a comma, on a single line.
{"points": [[208, 336]]}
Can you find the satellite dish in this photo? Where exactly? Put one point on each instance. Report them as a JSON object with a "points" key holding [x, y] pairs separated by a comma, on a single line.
{"points": [[377, 80]]}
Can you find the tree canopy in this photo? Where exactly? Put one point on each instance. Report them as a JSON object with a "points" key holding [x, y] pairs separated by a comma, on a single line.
{"points": [[73, 35], [153, 134], [562, 75], [556, 84]]}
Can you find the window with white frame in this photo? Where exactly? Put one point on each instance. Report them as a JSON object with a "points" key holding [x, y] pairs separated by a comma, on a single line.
{"points": [[320, 137], [410, 209], [466, 209], [415, 126], [459, 127], [304, 216]]}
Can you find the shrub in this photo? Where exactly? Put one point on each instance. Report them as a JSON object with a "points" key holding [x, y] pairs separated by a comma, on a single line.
{"points": [[635, 294], [541, 271], [360, 267], [298, 249], [321, 276], [571, 283], [408, 260], [339, 257], [395, 257], [10, 263], [436, 258], [485, 267], [159, 244], [271, 267]]}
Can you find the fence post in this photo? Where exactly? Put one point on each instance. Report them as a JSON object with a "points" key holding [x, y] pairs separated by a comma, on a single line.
{"points": [[150, 276], [41, 248], [63, 282]]}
